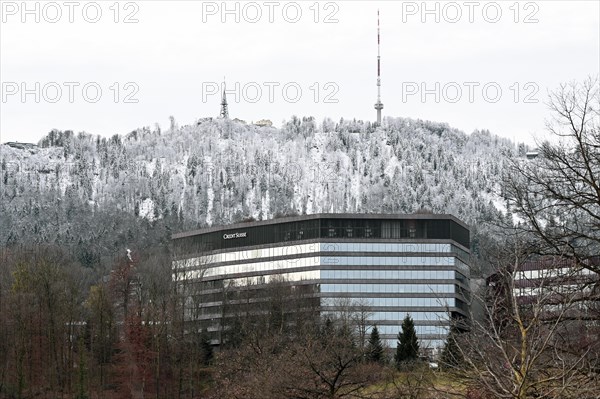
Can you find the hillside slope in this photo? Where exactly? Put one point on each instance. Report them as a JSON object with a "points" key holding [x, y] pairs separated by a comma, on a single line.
{"points": [[103, 194]]}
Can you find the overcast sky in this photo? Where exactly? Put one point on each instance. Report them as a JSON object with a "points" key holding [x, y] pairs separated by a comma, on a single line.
{"points": [[481, 65]]}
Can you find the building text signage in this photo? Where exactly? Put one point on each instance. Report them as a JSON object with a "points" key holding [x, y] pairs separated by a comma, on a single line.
{"points": [[234, 235]]}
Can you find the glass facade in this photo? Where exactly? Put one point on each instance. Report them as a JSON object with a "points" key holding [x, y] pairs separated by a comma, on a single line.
{"points": [[367, 227], [395, 267]]}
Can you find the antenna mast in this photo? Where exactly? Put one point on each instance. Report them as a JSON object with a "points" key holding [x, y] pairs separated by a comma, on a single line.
{"points": [[224, 108], [378, 104]]}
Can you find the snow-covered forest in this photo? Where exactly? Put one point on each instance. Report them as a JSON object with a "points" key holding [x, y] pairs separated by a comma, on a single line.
{"points": [[105, 194]]}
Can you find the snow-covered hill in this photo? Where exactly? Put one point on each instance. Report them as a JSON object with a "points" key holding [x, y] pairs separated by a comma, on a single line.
{"points": [[220, 171]]}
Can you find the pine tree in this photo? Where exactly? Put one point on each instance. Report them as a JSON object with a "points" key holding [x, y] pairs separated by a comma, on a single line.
{"points": [[206, 348], [408, 344], [375, 348], [451, 355], [327, 330]]}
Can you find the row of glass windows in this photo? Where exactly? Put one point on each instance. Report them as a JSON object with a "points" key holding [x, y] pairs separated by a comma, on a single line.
{"points": [[391, 288], [391, 316], [295, 250], [397, 302], [269, 278], [257, 267], [291, 250], [421, 330], [424, 344], [463, 267], [416, 316], [551, 272], [374, 317], [384, 247], [264, 266], [284, 264], [562, 289], [460, 252], [408, 302], [351, 288], [390, 274], [331, 303], [191, 275], [388, 260]]}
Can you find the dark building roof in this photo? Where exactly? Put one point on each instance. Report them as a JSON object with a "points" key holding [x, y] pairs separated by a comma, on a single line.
{"points": [[354, 226], [21, 146], [374, 216]]}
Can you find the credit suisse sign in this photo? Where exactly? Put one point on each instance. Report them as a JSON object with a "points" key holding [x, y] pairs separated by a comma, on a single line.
{"points": [[234, 235]]}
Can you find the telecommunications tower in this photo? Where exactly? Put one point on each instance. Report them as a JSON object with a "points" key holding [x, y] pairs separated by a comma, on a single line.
{"points": [[378, 104]]}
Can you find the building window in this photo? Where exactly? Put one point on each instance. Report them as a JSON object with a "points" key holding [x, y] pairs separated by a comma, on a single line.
{"points": [[412, 229]]}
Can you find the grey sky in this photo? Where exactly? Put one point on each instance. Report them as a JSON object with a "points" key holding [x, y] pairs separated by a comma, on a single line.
{"points": [[177, 52]]}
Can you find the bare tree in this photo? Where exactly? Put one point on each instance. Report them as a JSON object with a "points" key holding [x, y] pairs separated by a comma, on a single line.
{"points": [[355, 315], [555, 199], [557, 195], [414, 383], [42, 313], [289, 352], [190, 267], [6, 324], [532, 342], [102, 328], [329, 365]]}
